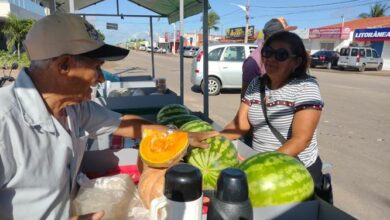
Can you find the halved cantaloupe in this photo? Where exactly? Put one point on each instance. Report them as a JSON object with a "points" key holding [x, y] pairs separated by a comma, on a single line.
{"points": [[162, 149]]}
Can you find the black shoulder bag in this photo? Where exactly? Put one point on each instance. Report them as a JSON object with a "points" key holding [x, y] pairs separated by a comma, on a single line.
{"points": [[277, 134], [324, 188]]}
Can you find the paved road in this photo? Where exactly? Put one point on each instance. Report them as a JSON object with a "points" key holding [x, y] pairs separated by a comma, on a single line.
{"points": [[354, 129]]}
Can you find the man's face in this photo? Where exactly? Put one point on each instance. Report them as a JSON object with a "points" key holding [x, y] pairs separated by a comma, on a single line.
{"points": [[83, 74]]}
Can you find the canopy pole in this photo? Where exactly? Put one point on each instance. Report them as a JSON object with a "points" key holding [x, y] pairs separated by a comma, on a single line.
{"points": [[151, 42], [52, 6], [71, 6], [205, 59], [117, 7], [181, 51]]}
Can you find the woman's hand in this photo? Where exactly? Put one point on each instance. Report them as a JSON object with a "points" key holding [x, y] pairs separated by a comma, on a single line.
{"points": [[196, 138], [91, 216]]}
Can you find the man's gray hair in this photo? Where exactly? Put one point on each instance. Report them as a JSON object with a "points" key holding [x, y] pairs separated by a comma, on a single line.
{"points": [[40, 64]]}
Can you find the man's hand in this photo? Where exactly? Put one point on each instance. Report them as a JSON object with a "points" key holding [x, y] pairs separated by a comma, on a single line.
{"points": [[91, 216], [196, 138]]}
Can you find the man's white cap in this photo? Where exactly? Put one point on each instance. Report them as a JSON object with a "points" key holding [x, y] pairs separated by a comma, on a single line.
{"points": [[63, 33]]}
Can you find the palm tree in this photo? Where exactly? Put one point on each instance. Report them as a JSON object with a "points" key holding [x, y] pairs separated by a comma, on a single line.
{"points": [[16, 30], [213, 20], [377, 10]]}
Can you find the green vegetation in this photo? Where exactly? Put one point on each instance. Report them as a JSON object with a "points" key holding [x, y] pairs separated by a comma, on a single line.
{"points": [[377, 10], [16, 30], [7, 58], [213, 20]]}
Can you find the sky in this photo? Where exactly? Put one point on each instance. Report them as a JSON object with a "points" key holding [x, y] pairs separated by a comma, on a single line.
{"points": [[300, 13]]}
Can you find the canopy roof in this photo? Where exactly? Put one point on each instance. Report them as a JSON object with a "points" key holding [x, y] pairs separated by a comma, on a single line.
{"points": [[166, 8]]}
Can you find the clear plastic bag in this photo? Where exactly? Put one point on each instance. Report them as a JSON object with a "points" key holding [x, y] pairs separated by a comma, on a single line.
{"points": [[113, 194]]}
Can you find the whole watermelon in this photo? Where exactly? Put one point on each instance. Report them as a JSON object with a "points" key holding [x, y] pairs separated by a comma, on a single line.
{"points": [[220, 154], [171, 110], [178, 120], [275, 178], [197, 126]]}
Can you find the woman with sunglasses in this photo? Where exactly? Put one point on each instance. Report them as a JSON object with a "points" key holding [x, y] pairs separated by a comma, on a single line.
{"points": [[292, 101]]}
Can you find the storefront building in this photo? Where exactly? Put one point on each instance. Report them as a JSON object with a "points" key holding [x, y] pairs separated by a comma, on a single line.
{"points": [[373, 32], [377, 38]]}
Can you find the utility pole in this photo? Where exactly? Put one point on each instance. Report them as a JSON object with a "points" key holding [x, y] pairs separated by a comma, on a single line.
{"points": [[246, 10], [247, 21], [174, 39]]}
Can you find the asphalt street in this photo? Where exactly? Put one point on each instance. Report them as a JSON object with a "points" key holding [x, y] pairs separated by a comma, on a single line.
{"points": [[353, 132]]}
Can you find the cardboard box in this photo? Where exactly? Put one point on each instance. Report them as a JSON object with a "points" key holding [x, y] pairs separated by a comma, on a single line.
{"points": [[100, 161]]}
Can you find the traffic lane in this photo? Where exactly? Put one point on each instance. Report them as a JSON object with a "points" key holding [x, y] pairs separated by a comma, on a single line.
{"points": [[352, 71], [354, 138]]}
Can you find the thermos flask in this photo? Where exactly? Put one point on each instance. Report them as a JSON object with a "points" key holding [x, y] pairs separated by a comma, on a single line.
{"points": [[231, 201], [182, 194]]}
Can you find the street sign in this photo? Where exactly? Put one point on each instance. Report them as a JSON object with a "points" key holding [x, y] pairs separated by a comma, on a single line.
{"points": [[112, 26]]}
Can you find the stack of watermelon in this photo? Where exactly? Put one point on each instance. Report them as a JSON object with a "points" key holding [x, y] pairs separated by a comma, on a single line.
{"points": [[175, 114], [221, 153]]}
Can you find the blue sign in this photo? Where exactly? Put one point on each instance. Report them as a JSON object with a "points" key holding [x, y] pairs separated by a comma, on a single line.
{"points": [[372, 34]]}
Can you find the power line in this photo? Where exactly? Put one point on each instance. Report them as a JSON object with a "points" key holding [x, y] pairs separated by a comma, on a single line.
{"points": [[305, 6], [325, 9]]}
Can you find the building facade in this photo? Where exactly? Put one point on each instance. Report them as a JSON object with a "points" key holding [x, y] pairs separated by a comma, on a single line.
{"points": [[373, 32]]}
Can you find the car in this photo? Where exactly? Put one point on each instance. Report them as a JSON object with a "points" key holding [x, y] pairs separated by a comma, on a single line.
{"points": [[161, 50], [225, 66], [149, 49], [190, 51], [324, 58], [142, 48], [359, 58]]}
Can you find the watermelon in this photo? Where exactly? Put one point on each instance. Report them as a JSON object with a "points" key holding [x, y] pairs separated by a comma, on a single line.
{"points": [[178, 120], [211, 161], [197, 126], [275, 178], [220, 154], [171, 110]]}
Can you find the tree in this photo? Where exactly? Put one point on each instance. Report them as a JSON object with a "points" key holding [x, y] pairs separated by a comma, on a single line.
{"points": [[213, 20], [16, 30], [377, 10], [101, 35]]}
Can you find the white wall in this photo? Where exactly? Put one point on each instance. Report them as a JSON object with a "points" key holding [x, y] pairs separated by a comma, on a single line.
{"points": [[338, 44], [386, 55]]}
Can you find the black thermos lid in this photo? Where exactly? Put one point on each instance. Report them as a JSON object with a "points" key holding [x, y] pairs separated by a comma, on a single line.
{"points": [[232, 186], [183, 183]]}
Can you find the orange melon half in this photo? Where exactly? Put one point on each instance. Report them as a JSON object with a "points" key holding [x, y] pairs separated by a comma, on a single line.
{"points": [[161, 149]]}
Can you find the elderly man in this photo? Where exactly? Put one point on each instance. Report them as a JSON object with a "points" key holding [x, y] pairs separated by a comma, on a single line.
{"points": [[46, 117]]}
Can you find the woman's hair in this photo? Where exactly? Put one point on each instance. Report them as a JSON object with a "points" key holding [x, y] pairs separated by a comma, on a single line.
{"points": [[297, 48]]}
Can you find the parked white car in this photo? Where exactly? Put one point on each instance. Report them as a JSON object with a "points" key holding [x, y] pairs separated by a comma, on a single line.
{"points": [[359, 58], [225, 66]]}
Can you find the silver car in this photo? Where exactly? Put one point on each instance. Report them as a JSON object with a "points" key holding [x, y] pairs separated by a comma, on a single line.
{"points": [[225, 66], [359, 58], [190, 51]]}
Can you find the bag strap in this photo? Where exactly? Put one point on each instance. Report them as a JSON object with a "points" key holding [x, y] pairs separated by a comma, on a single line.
{"points": [[263, 81]]}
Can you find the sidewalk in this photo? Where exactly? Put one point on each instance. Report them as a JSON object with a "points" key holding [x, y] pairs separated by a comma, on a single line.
{"points": [[385, 73]]}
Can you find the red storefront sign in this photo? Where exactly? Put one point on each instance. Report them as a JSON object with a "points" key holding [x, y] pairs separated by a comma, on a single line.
{"points": [[166, 36], [329, 33]]}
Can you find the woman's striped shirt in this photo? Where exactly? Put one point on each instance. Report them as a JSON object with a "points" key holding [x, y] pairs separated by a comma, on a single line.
{"points": [[282, 103]]}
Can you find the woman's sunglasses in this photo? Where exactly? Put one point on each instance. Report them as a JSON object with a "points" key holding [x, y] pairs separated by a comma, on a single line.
{"points": [[280, 54]]}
